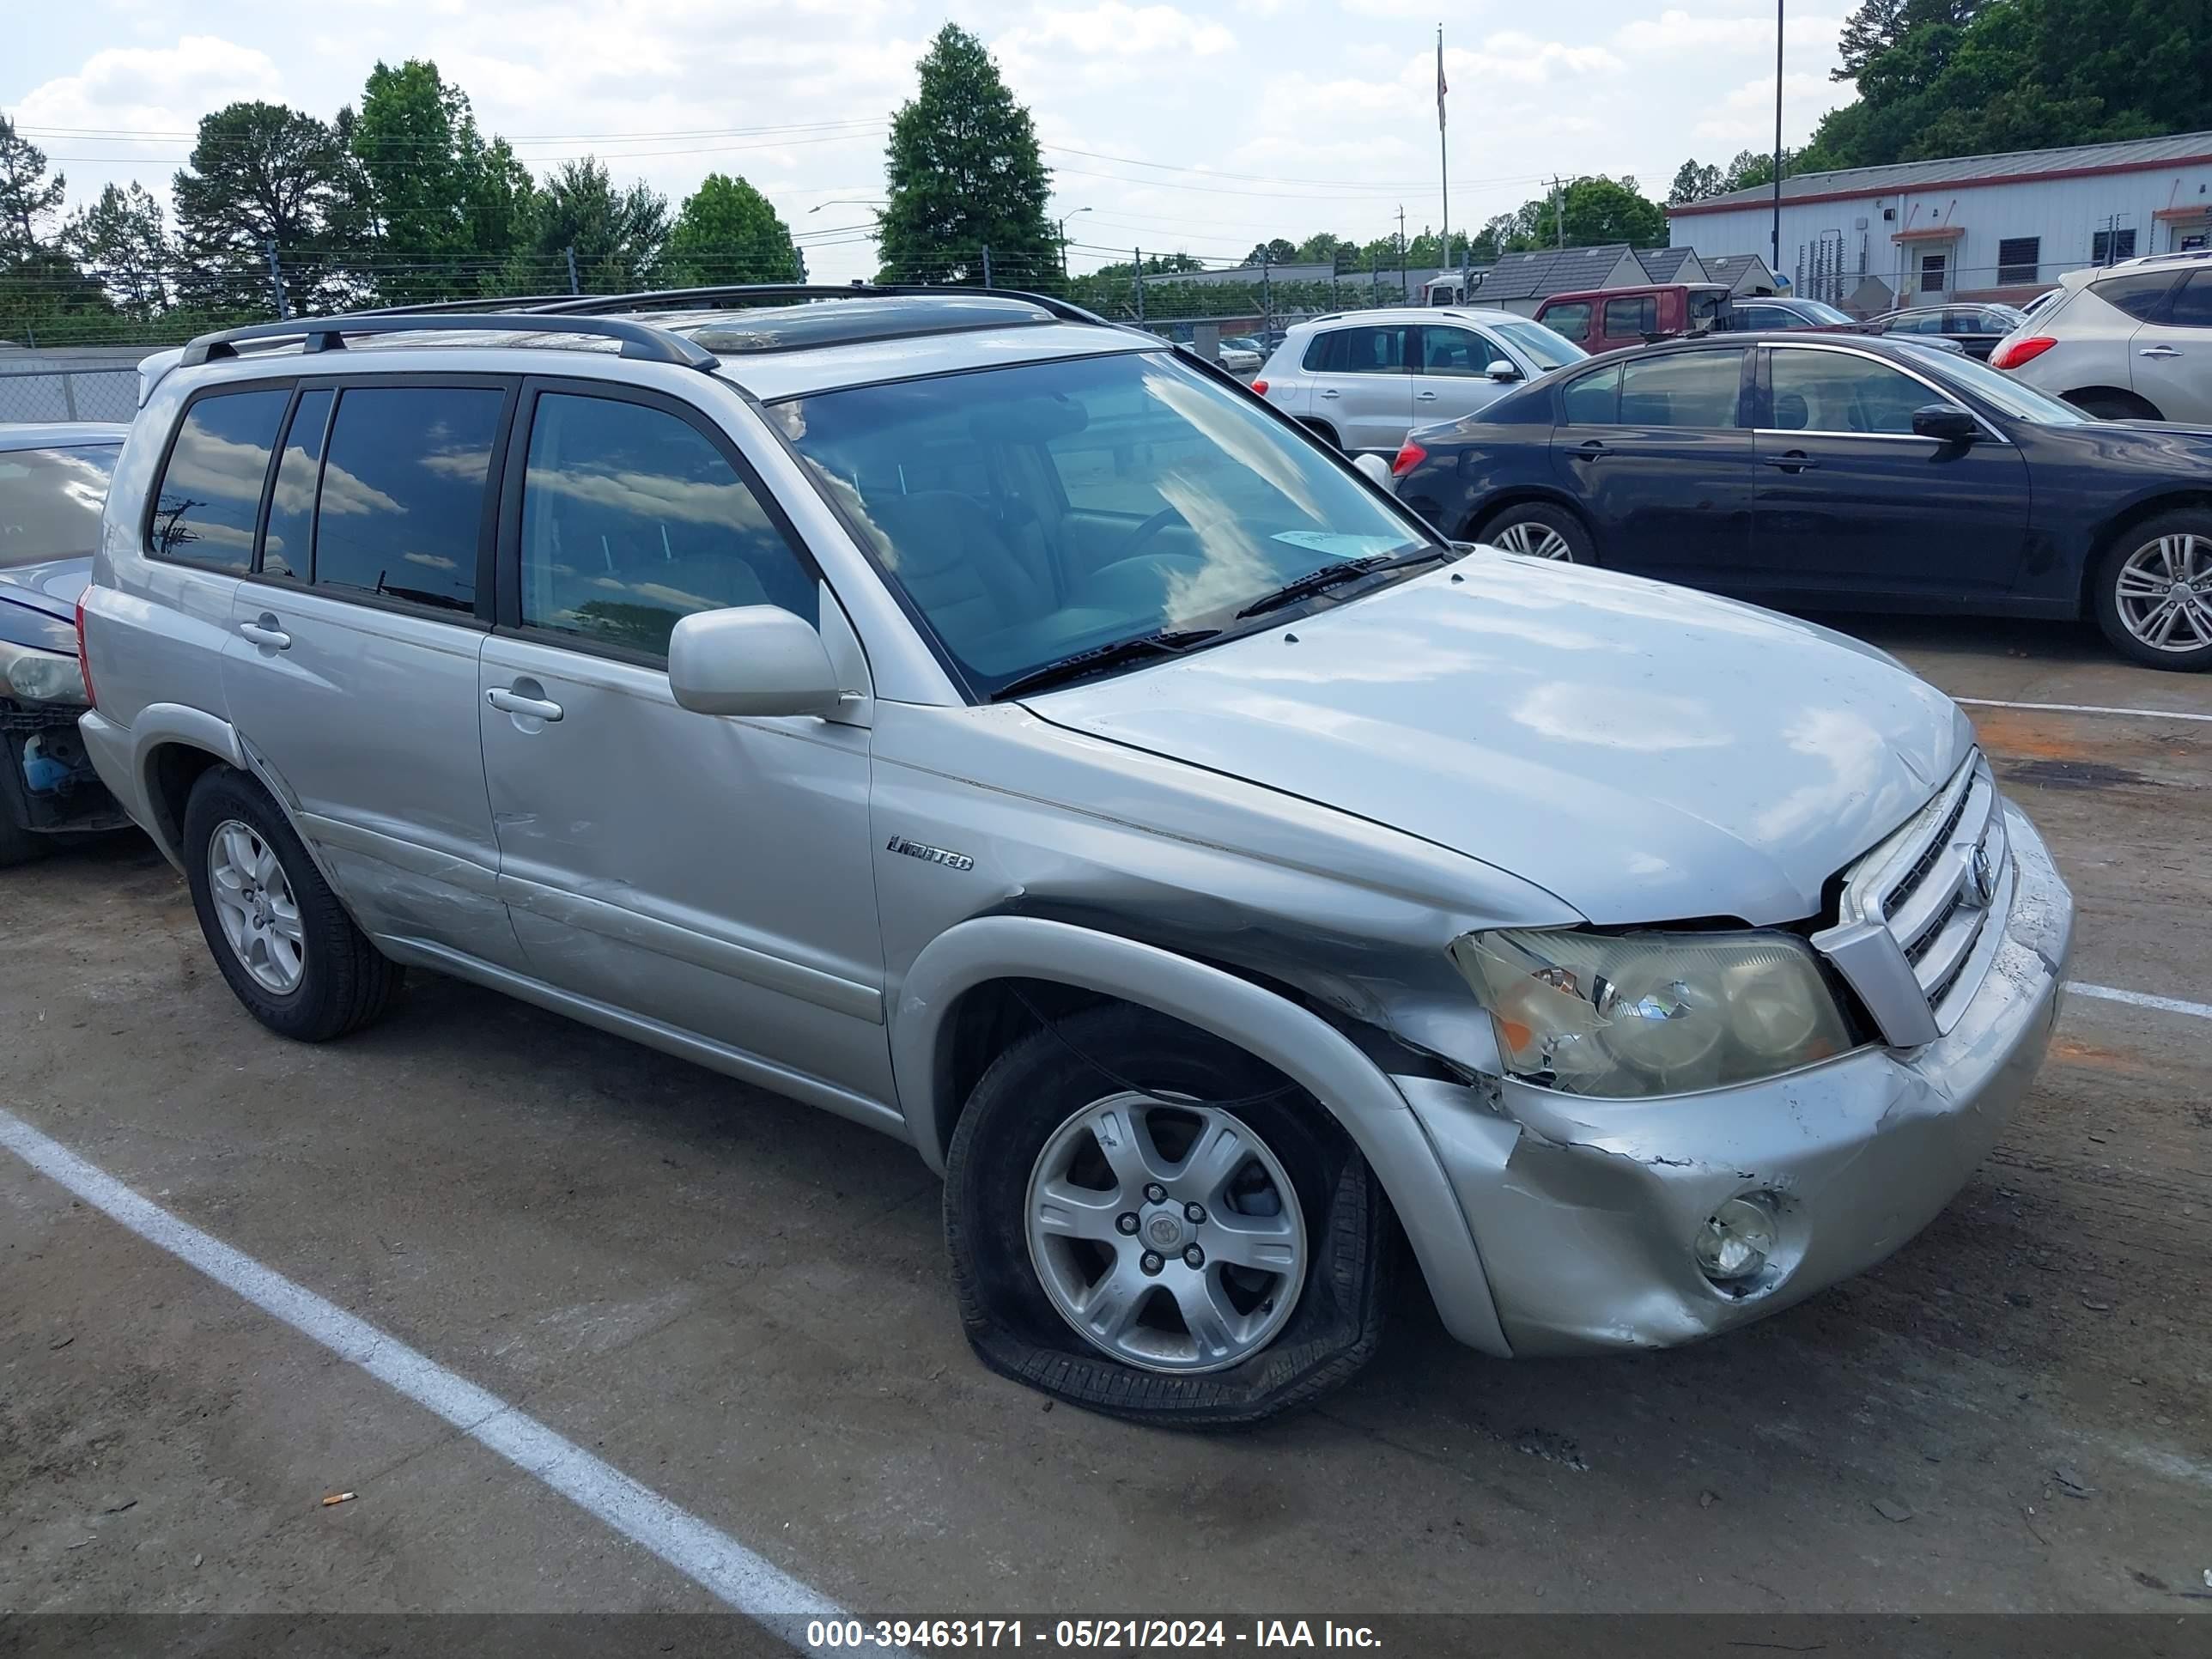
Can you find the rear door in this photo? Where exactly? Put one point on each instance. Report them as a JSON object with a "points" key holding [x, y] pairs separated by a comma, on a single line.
{"points": [[1657, 450], [351, 673], [2172, 357], [1851, 501], [1363, 387], [1455, 360]]}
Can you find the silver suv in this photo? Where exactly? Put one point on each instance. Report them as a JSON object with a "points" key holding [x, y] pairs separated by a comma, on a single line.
{"points": [[1364, 379], [990, 726]]}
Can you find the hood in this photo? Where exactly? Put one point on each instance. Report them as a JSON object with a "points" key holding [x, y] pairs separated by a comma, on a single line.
{"points": [[38, 603], [1645, 753]]}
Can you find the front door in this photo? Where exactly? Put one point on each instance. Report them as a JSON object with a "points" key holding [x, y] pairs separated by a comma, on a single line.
{"points": [[1851, 499], [1363, 387], [351, 672], [711, 874], [1454, 380], [2171, 358], [1656, 449]]}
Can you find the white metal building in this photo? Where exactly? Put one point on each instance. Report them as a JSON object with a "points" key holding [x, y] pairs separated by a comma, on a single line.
{"points": [[1975, 227]]}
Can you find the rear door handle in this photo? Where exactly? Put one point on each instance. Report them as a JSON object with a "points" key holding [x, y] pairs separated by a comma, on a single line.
{"points": [[2158, 351], [1330, 391], [1425, 396], [265, 632], [513, 702], [1796, 461], [1592, 449]]}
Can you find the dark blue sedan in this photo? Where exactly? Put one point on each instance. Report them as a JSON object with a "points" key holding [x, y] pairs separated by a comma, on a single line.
{"points": [[1839, 474]]}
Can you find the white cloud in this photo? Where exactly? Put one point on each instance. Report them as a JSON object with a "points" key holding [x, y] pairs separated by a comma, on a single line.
{"points": [[1746, 115]]}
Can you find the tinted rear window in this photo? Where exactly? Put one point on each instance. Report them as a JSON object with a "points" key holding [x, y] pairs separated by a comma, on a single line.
{"points": [[403, 492], [2193, 307], [2140, 295], [210, 490], [50, 502]]}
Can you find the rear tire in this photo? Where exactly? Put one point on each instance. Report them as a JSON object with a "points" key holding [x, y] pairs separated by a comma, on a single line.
{"points": [[1325, 433], [2115, 406], [285, 944], [1538, 530], [2151, 590], [1029, 1131]]}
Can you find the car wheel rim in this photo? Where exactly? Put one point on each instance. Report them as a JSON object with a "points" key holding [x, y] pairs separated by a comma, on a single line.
{"points": [[254, 902], [2164, 593], [1535, 541], [1168, 1235]]}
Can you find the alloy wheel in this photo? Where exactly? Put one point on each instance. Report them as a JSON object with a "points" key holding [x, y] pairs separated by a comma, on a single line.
{"points": [[2164, 592], [1167, 1235], [254, 902], [1533, 540]]}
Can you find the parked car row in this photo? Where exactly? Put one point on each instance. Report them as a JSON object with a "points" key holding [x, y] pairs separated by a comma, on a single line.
{"points": [[992, 726]]}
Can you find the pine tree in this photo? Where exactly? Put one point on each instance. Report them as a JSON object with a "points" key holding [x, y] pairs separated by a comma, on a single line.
{"points": [[121, 241], [966, 175], [26, 195], [261, 175]]}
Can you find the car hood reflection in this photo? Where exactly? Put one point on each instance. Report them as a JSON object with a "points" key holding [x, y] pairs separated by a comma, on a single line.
{"points": [[1644, 752]]}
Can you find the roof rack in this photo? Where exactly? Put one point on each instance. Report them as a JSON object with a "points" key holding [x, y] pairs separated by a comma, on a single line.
{"points": [[760, 292], [641, 341]]}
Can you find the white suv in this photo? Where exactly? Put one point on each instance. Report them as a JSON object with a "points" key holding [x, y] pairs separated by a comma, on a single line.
{"points": [[1365, 379], [2128, 342]]}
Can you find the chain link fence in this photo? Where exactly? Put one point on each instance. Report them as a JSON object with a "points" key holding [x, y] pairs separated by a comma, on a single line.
{"points": [[73, 394]]}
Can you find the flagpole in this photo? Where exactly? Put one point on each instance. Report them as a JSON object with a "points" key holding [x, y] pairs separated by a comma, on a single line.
{"points": [[1443, 156]]}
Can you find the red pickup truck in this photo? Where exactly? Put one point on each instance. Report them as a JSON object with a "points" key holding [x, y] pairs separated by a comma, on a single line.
{"points": [[1604, 318]]}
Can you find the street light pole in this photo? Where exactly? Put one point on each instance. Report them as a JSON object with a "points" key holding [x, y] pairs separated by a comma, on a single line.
{"points": [[1064, 218], [1777, 139]]}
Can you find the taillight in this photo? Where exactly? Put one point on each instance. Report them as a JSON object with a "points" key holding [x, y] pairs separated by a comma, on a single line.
{"points": [[83, 661], [2014, 353], [1410, 455], [1260, 387]]}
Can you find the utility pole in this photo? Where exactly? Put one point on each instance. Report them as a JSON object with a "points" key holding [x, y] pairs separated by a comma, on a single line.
{"points": [[1778, 137], [573, 288], [986, 265], [1403, 291], [276, 281], [1443, 152], [1558, 211], [1267, 288], [1138, 254]]}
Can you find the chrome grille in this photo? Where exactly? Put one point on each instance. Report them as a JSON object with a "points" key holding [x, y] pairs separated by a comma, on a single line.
{"points": [[1913, 934]]}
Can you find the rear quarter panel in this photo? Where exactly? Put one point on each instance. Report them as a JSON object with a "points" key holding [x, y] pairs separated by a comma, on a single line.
{"points": [[1501, 454]]}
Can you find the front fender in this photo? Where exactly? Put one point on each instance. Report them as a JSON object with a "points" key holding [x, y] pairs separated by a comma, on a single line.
{"points": [[1304, 1048]]}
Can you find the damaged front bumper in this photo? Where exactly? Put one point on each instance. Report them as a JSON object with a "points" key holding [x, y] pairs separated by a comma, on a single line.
{"points": [[1584, 1211], [47, 782]]}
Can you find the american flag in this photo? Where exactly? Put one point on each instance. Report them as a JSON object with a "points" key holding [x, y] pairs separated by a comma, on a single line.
{"points": [[1441, 87]]}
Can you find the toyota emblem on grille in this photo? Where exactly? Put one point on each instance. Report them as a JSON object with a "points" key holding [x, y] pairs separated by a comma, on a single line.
{"points": [[1984, 875]]}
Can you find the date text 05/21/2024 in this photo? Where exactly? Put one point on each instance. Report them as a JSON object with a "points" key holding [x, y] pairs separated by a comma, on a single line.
{"points": [[1108, 1634]]}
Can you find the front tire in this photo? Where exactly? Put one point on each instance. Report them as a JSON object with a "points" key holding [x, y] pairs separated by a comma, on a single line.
{"points": [[1252, 1279], [1537, 530], [285, 944], [2153, 590]]}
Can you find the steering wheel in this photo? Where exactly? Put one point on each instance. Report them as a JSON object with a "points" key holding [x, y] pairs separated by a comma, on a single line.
{"points": [[1143, 532]]}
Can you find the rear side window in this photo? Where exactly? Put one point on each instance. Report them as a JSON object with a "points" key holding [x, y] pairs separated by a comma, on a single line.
{"points": [[285, 542], [2140, 295], [403, 492], [210, 490], [1638, 315], [632, 520], [1572, 321], [2193, 307], [1594, 399], [1691, 388], [1370, 350]]}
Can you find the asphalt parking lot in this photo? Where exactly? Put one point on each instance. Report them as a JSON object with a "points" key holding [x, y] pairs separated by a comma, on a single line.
{"points": [[743, 1305]]}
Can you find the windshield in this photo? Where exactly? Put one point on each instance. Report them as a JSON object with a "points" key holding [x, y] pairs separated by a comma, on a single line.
{"points": [[1031, 512], [1541, 346], [50, 502], [1705, 305], [2022, 402], [1819, 310]]}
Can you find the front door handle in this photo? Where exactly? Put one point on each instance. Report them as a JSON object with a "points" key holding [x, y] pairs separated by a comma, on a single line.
{"points": [[1425, 397], [513, 702], [1793, 460], [1330, 391], [266, 632], [2158, 351], [1591, 449]]}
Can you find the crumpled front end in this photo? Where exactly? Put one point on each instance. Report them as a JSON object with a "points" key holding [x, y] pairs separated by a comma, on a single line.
{"points": [[1588, 1213]]}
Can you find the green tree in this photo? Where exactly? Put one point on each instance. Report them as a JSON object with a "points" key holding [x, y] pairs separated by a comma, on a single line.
{"points": [[726, 232], [1275, 251], [260, 175], [1879, 25], [45, 299], [616, 235], [1694, 181], [964, 174], [121, 241], [26, 195]]}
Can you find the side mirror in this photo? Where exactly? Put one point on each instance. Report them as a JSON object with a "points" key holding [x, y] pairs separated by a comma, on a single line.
{"points": [[1376, 469], [1946, 423], [1499, 369], [754, 660]]}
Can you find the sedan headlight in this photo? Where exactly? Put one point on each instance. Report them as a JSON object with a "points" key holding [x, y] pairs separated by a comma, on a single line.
{"points": [[1623, 1015], [36, 675]]}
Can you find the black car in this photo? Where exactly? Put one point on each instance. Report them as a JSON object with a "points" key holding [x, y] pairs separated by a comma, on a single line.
{"points": [[1839, 473], [1975, 329], [53, 484]]}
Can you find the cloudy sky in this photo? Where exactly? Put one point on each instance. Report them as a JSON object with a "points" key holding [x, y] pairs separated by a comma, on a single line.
{"points": [[1202, 128]]}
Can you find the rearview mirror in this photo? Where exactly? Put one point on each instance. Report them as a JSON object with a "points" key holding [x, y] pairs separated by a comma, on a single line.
{"points": [[1946, 423], [1499, 369], [754, 660], [1376, 469]]}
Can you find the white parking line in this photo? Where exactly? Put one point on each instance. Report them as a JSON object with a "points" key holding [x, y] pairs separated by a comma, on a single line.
{"points": [[2083, 708], [708, 1557], [2140, 1000]]}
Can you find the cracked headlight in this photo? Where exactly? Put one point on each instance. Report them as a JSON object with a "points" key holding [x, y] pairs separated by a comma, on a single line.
{"points": [[36, 675], [1651, 1013]]}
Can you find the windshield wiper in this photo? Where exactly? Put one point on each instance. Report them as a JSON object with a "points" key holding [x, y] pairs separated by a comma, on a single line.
{"points": [[1113, 655], [1341, 570]]}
